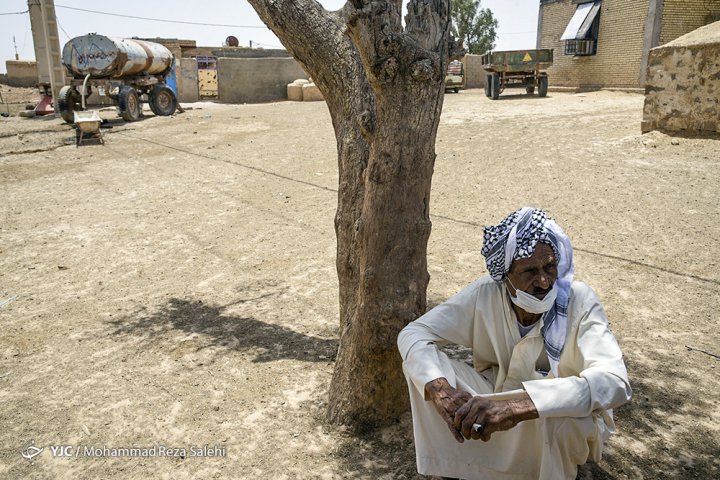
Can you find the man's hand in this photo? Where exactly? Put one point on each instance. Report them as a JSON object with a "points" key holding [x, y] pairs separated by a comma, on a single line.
{"points": [[447, 401], [493, 415]]}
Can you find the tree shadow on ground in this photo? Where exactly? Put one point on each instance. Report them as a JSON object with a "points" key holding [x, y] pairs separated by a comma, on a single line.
{"points": [[646, 421], [215, 329], [387, 453], [520, 95], [671, 446]]}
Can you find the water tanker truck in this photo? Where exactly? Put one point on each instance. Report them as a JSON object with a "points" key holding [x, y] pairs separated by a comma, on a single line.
{"points": [[128, 71]]}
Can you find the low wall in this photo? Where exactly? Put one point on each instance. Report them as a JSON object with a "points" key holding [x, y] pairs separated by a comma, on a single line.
{"points": [[682, 93], [244, 52], [256, 80], [187, 80], [21, 73]]}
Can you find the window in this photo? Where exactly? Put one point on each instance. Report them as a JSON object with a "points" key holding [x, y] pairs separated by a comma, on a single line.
{"points": [[581, 34]]}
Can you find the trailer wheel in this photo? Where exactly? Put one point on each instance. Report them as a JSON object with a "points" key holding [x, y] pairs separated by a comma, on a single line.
{"points": [[129, 104], [163, 101], [488, 80], [495, 86], [542, 86], [68, 103]]}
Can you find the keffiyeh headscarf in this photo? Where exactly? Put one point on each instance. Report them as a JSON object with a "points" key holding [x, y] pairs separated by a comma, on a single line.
{"points": [[516, 237]]}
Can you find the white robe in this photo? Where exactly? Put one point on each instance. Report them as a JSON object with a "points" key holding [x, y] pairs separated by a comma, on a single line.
{"points": [[575, 409]]}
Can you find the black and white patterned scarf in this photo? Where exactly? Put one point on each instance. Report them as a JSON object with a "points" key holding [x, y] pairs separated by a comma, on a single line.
{"points": [[516, 237]]}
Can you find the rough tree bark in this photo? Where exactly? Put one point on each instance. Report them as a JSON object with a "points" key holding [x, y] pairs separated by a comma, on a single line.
{"points": [[384, 87]]}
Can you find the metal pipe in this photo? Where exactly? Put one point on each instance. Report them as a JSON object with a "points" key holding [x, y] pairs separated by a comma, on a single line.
{"points": [[84, 90]]}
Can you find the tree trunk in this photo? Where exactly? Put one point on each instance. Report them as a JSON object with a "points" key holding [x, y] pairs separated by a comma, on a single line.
{"points": [[384, 89]]}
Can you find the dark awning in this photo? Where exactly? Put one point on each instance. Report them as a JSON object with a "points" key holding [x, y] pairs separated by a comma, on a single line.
{"points": [[581, 22]]}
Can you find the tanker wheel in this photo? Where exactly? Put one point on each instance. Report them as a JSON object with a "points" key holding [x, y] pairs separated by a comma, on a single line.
{"points": [[494, 86], [162, 100], [68, 102], [129, 104], [542, 86]]}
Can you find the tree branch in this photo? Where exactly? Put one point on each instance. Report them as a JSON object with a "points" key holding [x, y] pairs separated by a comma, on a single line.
{"points": [[428, 22], [419, 52]]}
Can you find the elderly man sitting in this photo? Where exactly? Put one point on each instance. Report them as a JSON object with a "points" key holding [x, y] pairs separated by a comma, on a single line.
{"points": [[547, 374]]}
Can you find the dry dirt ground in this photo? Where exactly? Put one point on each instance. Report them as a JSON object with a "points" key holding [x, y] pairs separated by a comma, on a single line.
{"points": [[176, 286]]}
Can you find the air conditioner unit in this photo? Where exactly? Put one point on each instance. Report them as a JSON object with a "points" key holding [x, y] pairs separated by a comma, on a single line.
{"points": [[585, 47]]}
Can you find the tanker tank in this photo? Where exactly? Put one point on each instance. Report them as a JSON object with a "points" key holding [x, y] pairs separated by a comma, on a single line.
{"points": [[106, 57]]}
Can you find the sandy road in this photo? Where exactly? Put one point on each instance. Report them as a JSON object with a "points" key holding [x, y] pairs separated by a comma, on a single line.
{"points": [[176, 287]]}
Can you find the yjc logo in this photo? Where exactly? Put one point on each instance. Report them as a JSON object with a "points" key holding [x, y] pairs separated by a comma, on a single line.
{"points": [[61, 450], [31, 451]]}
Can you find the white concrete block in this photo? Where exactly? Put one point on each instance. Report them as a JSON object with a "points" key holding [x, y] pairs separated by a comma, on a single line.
{"points": [[295, 92], [311, 93]]}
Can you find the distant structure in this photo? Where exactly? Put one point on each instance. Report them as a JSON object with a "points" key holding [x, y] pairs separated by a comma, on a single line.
{"points": [[231, 74], [683, 83], [51, 74], [606, 43]]}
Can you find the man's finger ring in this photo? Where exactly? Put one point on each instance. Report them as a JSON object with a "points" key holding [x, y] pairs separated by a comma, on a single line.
{"points": [[478, 428]]}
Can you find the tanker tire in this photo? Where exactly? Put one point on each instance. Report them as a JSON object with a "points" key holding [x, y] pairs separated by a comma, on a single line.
{"points": [[543, 86], [67, 103], [494, 86], [163, 101], [129, 104]]}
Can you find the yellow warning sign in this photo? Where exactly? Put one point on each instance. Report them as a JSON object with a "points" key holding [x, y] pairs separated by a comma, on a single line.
{"points": [[527, 57]]}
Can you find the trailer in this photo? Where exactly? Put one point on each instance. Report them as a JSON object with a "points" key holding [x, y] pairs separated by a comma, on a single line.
{"points": [[517, 69], [128, 71], [454, 76]]}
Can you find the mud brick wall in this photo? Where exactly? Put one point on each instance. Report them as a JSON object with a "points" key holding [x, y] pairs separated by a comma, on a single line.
{"points": [[21, 73], [683, 88], [683, 16], [255, 80], [619, 47]]}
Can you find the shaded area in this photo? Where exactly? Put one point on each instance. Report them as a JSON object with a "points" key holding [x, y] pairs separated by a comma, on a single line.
{"points": [[215, 329], [388, 453], [521, 95], [689, 134], [667, 424], [671, 451]]}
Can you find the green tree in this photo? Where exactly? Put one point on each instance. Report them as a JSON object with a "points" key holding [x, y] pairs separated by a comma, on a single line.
{"points": [[476, 27]]}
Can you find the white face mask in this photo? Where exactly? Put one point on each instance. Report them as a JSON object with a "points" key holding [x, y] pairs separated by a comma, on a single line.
{"points": [[532, 304]]}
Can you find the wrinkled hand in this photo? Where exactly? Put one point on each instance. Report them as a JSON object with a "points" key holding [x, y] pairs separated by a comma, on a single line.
{"points": [[493, 415], [447, 400]]}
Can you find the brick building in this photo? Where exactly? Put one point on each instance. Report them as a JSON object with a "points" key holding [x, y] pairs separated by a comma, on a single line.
{"points": [[605, 43]]}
